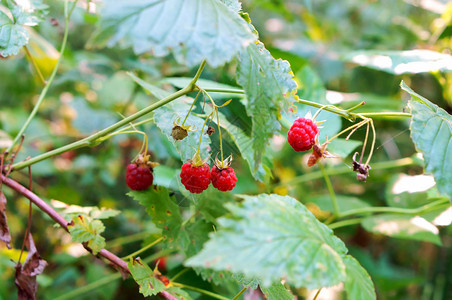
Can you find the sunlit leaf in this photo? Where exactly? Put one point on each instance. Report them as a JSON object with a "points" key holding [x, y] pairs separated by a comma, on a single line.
{"points": [[345, 203], [358, 284], [403, 226], [277, 291], [401, 62], [269, 88], [431, 131], [146, 278], [272, 237], [192, 30], [83, 230], [13, 34]]}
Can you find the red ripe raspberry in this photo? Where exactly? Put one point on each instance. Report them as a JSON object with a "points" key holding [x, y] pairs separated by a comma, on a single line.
{"points": [[302, 134], [223, 179], [195, 179], [139, 178]]}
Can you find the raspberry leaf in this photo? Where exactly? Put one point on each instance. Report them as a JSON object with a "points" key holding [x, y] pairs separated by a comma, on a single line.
{"points": [[277, 291], [403, 227], [149, 284], [269, 87], [358, 284], [272, 237], [13, 33], [83, 230], [162, 208], [192, 30], [431, 132]]}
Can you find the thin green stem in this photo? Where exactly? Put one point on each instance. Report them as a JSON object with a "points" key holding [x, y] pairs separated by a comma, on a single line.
{"points": [[35, 65], [357, 125], [403, 162], [179, 274], [123, 240], [239, 293], [391, 114], [332, 109], [219, 132], [344, 223], [226, 91], [191, 107], [330, 190], [202, 130], [205, 292], [91, 140], [364, 143], [49, 82], [374, 138], [356, 106], [317, 294], [143, 249], [438, 204]]}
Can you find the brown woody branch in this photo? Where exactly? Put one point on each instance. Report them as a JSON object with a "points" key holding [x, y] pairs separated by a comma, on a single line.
{"points": [[115, 260]]}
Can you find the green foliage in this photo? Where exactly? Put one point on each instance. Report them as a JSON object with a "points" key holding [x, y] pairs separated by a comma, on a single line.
{"points": [[269, 87], [13, 34], [162, 208], [270, 237], [147, 26], [87, 231], [146, 278], [403, 226], [358, 284], [277, 291], [431, 131]]}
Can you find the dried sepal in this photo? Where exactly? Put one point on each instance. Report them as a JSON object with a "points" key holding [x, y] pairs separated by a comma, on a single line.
{"points": [[144, 161], [223, 164], [210, 130], [179, 132], [361, 169], [318, 152]]}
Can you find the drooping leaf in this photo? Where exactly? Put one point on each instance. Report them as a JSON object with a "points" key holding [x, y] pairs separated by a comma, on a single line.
{"points": [[269, 87], [345, 203], [165, 117], [407, 191], [13, 35], [358, 284], [192, 30], [92, 212], [83, 230], [401, 62], [244, 143], [25, 276], [272, 237], [277, 291], [403, 226], [181, 82], [151, 89], [146, 278], [164, 211], [431, 132], [5, 236]]}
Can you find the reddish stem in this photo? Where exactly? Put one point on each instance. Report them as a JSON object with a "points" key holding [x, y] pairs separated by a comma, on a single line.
{"points": [[115, 260]]}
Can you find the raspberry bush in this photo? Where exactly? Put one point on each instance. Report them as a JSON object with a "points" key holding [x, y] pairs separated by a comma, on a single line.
{"points": [[340, 185]]}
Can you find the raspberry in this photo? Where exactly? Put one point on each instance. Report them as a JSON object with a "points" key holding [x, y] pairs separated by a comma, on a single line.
{"points": [[139, 178], [301, 135], [223, 179], [195, 179]]}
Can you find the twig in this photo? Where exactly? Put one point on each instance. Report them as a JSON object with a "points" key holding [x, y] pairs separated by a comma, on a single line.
{"points": [[115, 260]]}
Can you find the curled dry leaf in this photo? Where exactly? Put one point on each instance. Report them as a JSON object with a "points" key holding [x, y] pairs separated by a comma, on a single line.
{"points": [[4, 229], [25, 277]]}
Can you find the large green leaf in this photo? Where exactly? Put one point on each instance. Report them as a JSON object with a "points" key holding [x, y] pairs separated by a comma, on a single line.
{"points": [[277, 291], [401, 62], [192, 30], [272, 237], [13, 35], [164, 211], [431, 131], [403, 226], [358, 284], [269, 87]]}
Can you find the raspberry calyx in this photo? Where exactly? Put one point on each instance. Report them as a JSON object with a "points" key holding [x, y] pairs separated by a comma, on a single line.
{"points": [[180, 132], [302, 134], [195, 175], [139, 174]]}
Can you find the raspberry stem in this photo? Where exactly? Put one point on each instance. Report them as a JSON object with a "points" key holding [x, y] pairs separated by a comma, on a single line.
{"points": [[191, 107], [202, 130], [219, 132]]}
